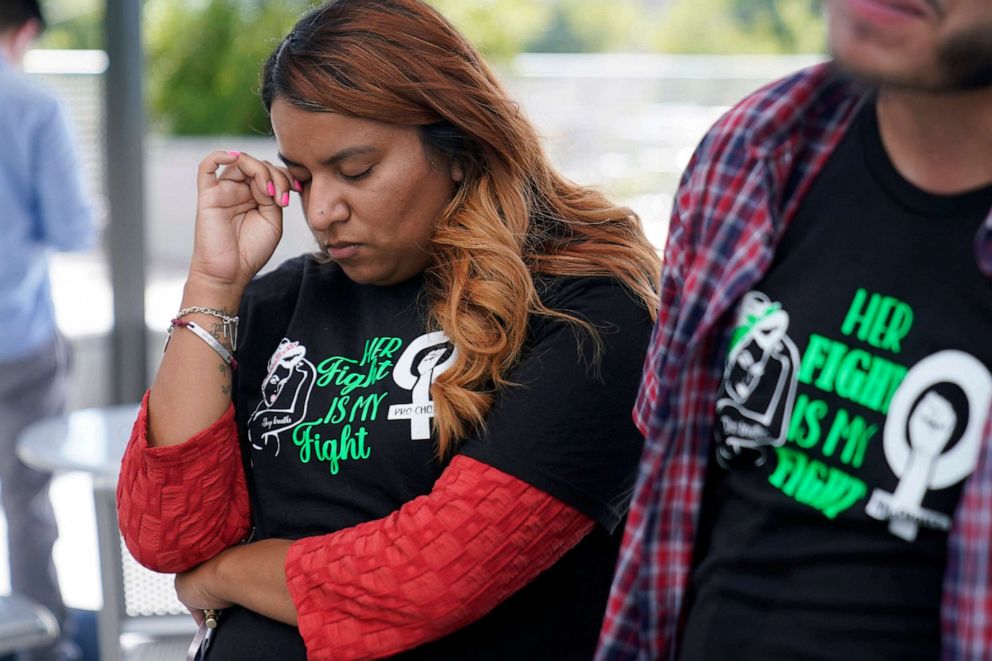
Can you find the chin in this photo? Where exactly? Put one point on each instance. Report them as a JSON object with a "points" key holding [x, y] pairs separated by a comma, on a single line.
{"points": [[880, 56], [877, 65], [359, 276], [913, 59], [367, 277]]}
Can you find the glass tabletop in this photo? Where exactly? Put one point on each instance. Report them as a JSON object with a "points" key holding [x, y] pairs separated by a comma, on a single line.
{"points": [[89, 440]]}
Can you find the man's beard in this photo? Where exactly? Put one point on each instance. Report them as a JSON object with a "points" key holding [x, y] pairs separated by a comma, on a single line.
{"points": [[966, 61], [963, 63]]}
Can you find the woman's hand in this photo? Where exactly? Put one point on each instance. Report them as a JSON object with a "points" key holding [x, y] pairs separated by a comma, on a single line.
{"points": [[250, 575], [193, 590], [238, 218]]}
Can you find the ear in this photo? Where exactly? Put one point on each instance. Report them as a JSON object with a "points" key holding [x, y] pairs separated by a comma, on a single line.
{"points": [[457, 171], [24, 36]]}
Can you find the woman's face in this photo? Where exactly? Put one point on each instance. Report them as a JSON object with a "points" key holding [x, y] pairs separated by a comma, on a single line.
{"points": [[371, 192]]}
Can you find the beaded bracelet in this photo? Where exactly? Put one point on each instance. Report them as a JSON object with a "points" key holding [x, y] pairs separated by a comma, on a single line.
{"points": [[209, 339]]}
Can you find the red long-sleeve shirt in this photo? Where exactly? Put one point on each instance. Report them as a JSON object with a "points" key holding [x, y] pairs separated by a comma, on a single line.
{"points": [[438, 563]]}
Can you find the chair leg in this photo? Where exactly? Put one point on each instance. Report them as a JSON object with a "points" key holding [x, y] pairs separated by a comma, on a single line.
{"points": [[108, 539]]}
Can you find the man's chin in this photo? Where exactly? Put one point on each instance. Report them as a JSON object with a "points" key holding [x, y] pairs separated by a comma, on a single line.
{"points": [[963, 65], [935, 82]]}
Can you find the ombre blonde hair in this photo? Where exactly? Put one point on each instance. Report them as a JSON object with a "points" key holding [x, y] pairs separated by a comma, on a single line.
{"points": [[512, 216]]}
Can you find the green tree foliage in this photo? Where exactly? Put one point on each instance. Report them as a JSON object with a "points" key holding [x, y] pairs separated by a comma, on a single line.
{"points": [[590, 26], [741, 26], [498, 28], [73, 24], [204, 61], [205, 55]]}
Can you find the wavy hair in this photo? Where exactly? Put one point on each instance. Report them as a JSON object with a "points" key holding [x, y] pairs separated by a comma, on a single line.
{"points": [[512, 216]]}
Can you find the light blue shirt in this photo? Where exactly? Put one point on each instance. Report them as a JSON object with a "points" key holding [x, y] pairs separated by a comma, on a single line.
{"points": [[42, 208]]}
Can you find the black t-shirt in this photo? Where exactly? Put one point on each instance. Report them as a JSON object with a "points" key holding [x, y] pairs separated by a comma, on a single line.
{"points": [[334, 412], [851, 412]]}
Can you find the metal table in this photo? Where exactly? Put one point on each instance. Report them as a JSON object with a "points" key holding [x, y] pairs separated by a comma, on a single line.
{"points": [[25, 625], [89, 440], [135, 600]]}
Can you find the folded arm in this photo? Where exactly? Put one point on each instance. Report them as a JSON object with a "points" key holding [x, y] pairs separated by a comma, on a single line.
{"points": [[435, 565]]}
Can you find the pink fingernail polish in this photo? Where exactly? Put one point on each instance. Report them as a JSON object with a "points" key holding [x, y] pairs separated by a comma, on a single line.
{"points": [[272, 190], [234, 153], [285, 199], [297, 186]]}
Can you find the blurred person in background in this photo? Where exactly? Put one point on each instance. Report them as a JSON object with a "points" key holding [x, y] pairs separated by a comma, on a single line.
{"points": [[427, 436], [44, 209], [817, 480]]}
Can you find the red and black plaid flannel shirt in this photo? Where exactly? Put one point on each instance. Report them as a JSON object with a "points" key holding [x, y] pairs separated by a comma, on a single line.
{"points": [[742, 187]]}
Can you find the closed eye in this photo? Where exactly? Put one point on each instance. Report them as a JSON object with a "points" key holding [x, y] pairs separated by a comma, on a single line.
{"points": [[357, 176]]}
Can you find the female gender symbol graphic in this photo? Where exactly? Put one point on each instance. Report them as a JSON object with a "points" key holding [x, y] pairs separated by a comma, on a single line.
{"points": [[418, 379], [915, 439]]}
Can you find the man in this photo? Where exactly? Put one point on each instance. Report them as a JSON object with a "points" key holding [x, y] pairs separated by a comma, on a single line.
{"points": [[817, 480], [42, 208]]}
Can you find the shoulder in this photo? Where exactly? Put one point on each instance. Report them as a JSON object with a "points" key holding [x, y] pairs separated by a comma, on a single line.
{"points": [[785, 96], [564, 424], [595, 297], [816, 96], [29, 99], [618, 319]]}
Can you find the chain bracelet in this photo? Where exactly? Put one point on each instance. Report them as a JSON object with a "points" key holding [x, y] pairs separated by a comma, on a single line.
{"points": [[229, 323]]}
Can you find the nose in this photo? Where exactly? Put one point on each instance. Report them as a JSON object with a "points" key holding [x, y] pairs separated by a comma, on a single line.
{"points": [[325, 204]]}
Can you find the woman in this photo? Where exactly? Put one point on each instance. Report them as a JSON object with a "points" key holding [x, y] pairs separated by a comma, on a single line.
{"points": [[424, 439]]}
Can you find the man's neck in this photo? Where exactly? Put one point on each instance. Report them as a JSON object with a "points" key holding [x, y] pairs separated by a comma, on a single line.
{"points": [[940, 142], [7, 53]]}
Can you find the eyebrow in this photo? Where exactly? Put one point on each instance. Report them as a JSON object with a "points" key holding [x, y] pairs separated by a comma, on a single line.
{"points": [[336, 158]]}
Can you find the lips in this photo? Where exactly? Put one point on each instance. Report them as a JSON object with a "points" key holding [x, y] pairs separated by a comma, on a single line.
{"points": [[894, 9], [909, 6], [342, 249]]}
